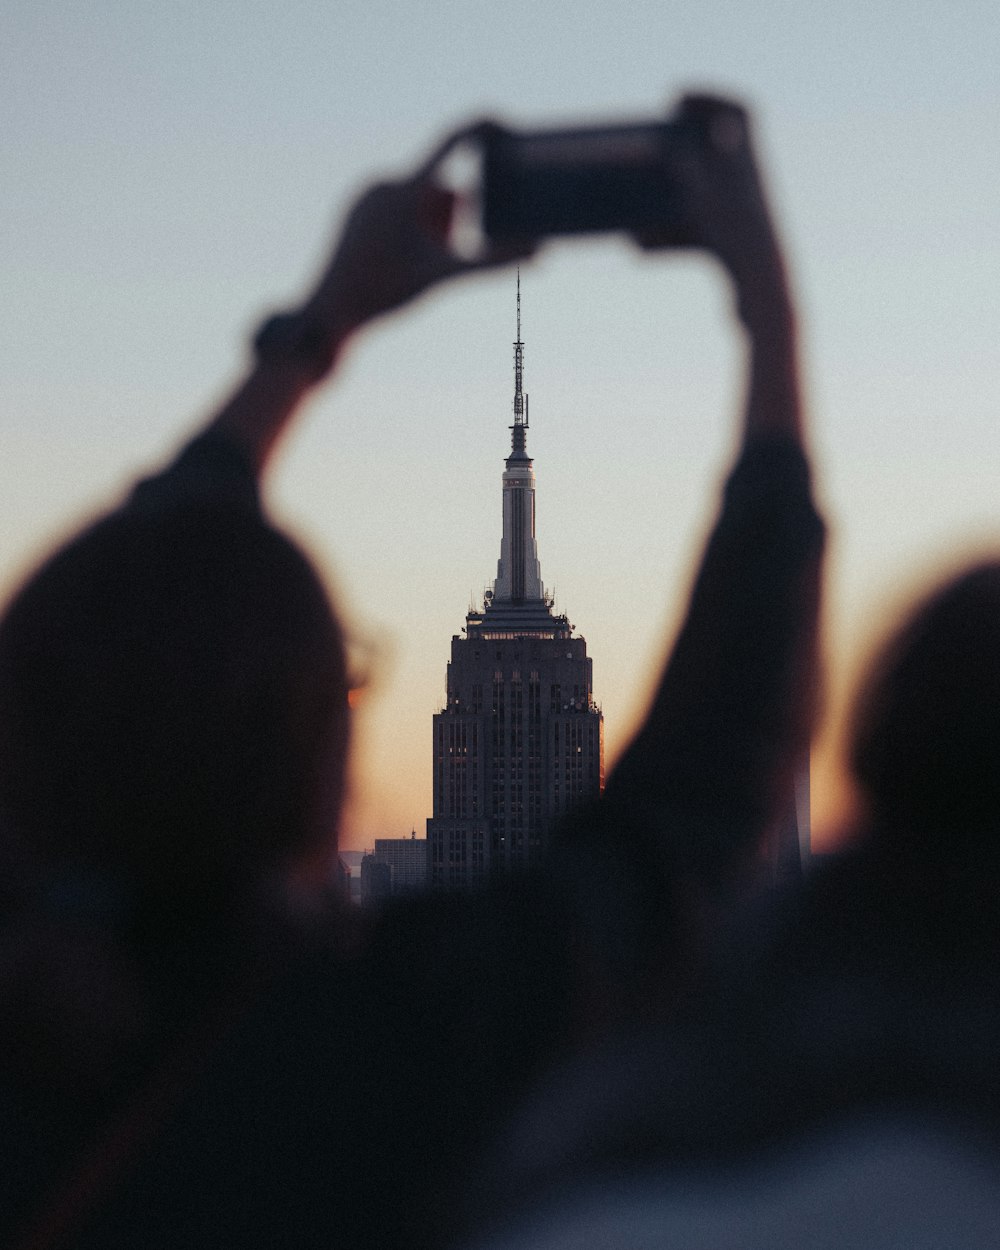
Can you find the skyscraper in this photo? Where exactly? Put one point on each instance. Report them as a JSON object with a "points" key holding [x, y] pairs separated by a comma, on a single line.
{"points": [[520, 738]]}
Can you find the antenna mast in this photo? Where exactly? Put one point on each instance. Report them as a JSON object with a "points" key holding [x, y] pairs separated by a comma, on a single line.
{"points": [[520, 410]]}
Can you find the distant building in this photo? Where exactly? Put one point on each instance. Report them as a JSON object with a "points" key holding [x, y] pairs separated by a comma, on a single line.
{"points": [[520, 739], [407, 861], [376, 880], [351, 860]]}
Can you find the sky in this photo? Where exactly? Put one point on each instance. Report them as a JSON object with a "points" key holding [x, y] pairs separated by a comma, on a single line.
{"points": [[173, 172]]}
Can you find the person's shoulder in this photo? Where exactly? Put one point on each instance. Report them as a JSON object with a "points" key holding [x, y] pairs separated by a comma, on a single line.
{"points": [[210, 469]]}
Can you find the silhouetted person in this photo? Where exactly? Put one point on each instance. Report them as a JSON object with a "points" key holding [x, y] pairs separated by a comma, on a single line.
{"points": [[925, 737], [877, 1005], [842, 1091], [900, 930], [203, 1049]]}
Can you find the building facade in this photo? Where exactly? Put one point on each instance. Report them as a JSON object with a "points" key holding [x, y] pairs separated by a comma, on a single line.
{"points": [[520, 739], [407, 862], [376, 880]]}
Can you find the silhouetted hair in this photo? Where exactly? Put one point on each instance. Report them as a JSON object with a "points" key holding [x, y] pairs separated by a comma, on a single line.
{"points": [[173, 701], [926, 734]]}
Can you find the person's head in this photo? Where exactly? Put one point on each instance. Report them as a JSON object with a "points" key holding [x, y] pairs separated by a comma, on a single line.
{"points": [[926, 735], [173, 702]]}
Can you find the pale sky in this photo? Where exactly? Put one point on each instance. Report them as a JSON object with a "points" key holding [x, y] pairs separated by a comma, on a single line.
{"points": [[171, 172]]}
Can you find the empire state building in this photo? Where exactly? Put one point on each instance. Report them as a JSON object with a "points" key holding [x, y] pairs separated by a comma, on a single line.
{"points": [[520, 739]]}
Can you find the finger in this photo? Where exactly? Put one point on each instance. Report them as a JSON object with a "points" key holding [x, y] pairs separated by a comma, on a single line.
{"points": [[475, 131], [680, 236], [704, 108], [435, 207]]}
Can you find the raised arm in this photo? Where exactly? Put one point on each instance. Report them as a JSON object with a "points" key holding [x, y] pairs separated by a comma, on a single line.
{"points": [[393, 247], [712, 766]]}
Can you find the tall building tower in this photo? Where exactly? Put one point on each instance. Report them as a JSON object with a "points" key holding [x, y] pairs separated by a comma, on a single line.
{"points": [[520, 738]]}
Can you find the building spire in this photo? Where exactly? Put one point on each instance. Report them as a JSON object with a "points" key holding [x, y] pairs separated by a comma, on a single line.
{"points": [[520, 416], [518, 442], [519, 578]]}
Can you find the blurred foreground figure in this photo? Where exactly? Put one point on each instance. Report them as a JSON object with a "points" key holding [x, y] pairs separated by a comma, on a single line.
{"points": [[843, 1094], [201, 1048]]}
